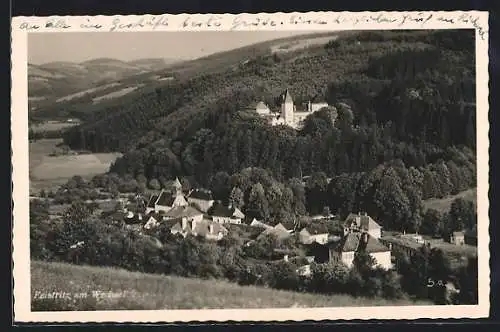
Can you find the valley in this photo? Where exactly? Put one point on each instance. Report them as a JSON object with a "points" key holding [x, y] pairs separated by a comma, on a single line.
{"points": [[357, 174]]}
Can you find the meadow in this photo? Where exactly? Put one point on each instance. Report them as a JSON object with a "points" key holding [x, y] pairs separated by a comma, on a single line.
{"points": [[97, 288], [444, 204], [47, 172]]}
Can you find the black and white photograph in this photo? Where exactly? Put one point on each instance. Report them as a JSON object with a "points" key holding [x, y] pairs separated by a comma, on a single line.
{"points": [[257, 169]]}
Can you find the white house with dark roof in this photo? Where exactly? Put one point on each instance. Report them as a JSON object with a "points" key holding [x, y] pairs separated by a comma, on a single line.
{"points": [[345, 249], [362, 223], [310, 234], [226, 214], [200, 198]]}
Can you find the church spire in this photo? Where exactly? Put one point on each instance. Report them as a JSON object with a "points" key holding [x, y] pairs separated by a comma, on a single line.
{"points": [[288, 97]]}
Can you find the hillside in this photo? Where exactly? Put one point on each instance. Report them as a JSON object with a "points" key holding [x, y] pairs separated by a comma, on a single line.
{"points": [[156, 77], [55, 80], [444, 204], [123, 290], [416, 89]]}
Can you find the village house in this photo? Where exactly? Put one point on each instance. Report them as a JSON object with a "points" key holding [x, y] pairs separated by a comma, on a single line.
{"points": [[226, 214], [201, 199], [279, 231], [413, 237], [167, 199], [289, 114], [457, 238], [401, 244], [208, 229], [257, 223], [188, 212], [152, 221], [312, 234], [345, 250], [362, 223]]}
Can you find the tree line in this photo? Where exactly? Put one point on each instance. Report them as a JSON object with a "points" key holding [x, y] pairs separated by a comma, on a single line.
{"points": [[81, 238]]}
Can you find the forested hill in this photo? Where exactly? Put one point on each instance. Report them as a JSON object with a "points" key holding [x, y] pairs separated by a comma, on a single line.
{"points": [[399, 95]]}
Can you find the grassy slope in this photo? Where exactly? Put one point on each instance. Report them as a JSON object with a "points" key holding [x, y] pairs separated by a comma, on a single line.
{"points": [[48, 172], [444, 204], [136, 291]]}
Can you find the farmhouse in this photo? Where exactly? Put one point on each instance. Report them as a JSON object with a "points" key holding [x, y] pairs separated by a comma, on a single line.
{"points": [[313, 234], [289, 114], [457, 238], [407, 246], [279, 231], [226, 214], [188, 212], [352, 243], [201, 199], [208, 229], [153, 221], [167, 199], [362, 223], [257, 223]]}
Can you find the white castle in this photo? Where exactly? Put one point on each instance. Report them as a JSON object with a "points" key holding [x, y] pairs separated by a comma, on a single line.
{"points": [[288, 115]]}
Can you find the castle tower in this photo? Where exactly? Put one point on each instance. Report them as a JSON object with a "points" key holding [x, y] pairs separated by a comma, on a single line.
{"points": [[287, 109]]}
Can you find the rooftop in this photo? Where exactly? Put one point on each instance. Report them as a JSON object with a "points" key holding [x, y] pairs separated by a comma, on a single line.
{"points": [[201, 194], [356, 242], [362, 221]]}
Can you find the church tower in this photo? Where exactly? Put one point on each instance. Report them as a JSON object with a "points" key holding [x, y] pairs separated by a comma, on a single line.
{"points": [[287, 109]]}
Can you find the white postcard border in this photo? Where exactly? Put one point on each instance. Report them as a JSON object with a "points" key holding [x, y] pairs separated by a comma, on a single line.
{"points": [[307, 22]]}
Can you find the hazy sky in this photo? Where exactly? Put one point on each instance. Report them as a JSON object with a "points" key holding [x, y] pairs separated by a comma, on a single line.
{"points": [[81, 46]]}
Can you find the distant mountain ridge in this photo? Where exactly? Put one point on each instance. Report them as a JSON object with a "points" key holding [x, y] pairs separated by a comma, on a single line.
{"points": [[49, 81]]}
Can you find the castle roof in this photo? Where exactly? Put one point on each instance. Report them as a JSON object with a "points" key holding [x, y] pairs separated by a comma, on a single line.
{"points": [[261, 106]]}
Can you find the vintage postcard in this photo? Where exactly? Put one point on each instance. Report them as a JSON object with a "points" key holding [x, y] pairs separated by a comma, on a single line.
{"points": [[250, 167]]}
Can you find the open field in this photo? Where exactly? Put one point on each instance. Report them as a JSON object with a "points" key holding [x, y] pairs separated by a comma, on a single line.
{"points": [[48, 171], [444, 204], [116, 94], [52, 126], [87, 91], [124, 290], [300, 44]]}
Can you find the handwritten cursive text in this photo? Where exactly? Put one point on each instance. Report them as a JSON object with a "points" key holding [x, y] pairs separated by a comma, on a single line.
{"points": [[154, 22], [193, 22]]}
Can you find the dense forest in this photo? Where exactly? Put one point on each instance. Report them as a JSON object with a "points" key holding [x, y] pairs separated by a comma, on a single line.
{"points": [[405, 120]]}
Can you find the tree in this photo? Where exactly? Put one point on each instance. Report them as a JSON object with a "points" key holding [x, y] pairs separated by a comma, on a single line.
{"points": [[468, 282], [432, 223], [462, 215], [258, 206], [236, 198]]}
